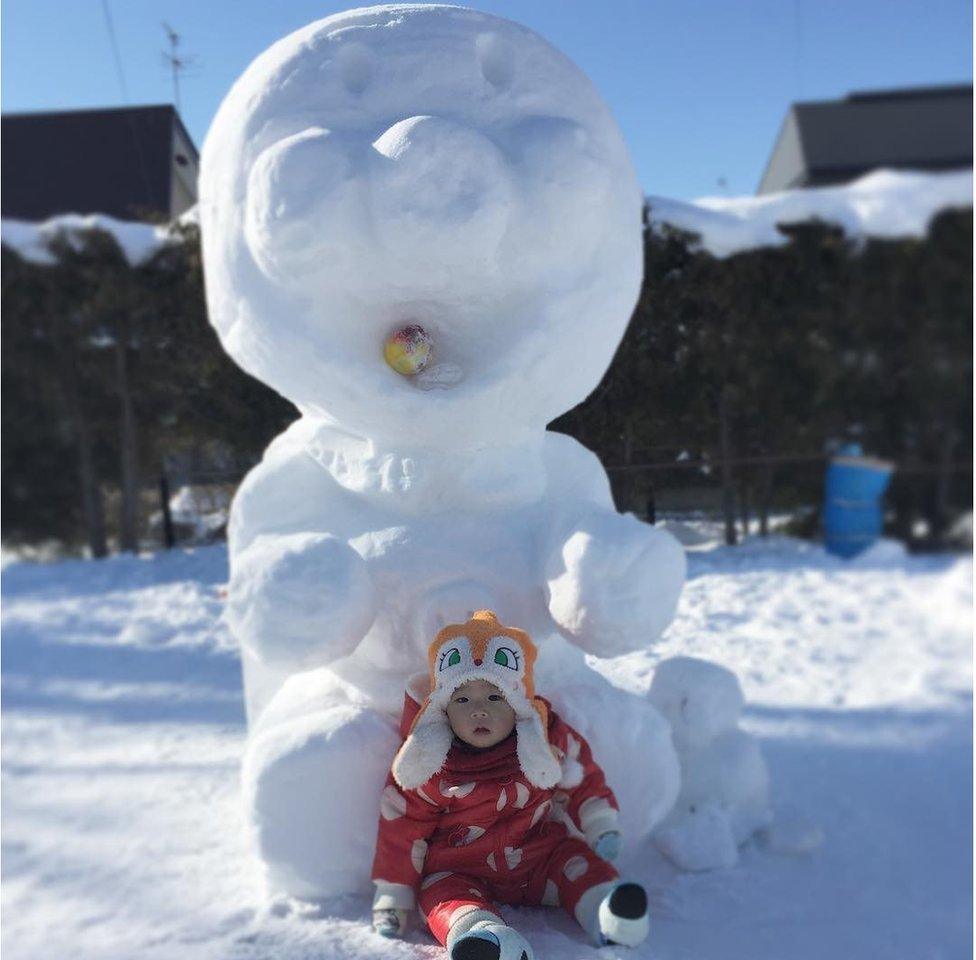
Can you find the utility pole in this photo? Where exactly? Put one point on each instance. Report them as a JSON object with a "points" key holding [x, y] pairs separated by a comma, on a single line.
{"points": [[175, 62]]}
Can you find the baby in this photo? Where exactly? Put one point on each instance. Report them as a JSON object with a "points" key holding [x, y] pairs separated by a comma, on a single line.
{"points": [[488, 799]]}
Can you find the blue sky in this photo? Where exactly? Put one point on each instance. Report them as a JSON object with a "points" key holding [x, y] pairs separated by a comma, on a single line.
{"points": [[699, 87]]}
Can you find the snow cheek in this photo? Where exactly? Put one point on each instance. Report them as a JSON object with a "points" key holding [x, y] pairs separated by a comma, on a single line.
{"points": [[305, 209], [565, 189], [441, 194]]}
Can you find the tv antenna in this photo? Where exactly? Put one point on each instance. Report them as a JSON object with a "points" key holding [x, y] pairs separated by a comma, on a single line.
{"points": [[175, 61]]}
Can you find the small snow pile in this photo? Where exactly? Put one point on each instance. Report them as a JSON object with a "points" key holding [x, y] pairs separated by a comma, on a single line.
{"points": [[198, 514], [138, 241], [884, 204], [724, 796]]}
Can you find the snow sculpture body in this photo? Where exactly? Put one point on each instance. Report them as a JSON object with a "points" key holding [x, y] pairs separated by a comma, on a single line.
{"points": [[724, 796], [428, 165]]}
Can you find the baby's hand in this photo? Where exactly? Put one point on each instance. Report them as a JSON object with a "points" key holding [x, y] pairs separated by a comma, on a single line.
{"points": [[390, 923], [608, 845]]}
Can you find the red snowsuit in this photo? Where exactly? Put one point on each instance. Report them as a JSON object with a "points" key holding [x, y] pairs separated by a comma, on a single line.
{"points": [[478, 830]]}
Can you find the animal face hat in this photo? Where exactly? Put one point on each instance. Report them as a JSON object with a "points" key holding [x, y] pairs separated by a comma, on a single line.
{"points": [[481, 649]]}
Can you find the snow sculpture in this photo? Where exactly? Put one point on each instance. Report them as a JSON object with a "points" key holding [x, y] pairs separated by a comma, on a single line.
{"points": [[429, 166], [724, 796]]}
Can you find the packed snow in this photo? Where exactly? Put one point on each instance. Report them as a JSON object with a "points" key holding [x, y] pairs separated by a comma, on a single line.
{"points": [[883, 204], [123, 734], [435, 179], [137, 241], [378, 171]]}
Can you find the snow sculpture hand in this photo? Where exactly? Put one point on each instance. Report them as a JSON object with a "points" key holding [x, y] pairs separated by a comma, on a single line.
{"points": [[614, 583], [301, 600], [390, 923], [608, 845]]}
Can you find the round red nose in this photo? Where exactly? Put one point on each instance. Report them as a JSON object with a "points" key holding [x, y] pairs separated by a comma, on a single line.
{"points": [[477, 663]]}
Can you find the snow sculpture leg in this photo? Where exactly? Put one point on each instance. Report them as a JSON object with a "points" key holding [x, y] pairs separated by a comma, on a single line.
{"points": [[313, 774]]}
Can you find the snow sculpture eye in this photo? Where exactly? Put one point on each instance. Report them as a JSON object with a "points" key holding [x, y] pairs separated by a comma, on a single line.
{"points": [[450, 658], [507, 657]]}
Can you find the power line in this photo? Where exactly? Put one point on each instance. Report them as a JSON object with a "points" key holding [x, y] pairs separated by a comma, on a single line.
{"points": [[109, 26], [113, 42]]}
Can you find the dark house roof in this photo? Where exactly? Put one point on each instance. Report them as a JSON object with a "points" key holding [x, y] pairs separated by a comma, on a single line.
{"points": [[836, 141], [116, 161]]}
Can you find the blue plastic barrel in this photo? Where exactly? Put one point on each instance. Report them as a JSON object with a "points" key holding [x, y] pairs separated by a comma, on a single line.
{"points": [[852, 508]]}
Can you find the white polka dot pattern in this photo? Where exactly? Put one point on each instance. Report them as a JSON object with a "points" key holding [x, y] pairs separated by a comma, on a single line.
{"points": [[434, 878], [393, 804], [540, 812], [418, 853], [420, 792], [550, 896], [457, 790], [575, 867]]}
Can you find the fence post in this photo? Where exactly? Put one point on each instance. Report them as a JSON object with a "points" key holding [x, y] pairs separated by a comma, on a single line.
{"points": [[169, 537]]}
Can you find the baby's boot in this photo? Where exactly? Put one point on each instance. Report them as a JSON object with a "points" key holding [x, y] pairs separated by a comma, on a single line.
{"points": [[615, 912], [486, 938]]}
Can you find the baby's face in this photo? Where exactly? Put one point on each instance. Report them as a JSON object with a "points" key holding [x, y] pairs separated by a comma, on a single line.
{"points": [[479, 714]]}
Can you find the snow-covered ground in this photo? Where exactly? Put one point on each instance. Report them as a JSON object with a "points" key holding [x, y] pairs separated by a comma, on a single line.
{"points": [[123, 728]]}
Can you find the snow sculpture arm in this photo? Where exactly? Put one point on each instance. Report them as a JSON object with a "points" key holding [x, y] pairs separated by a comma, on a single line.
{"points": [[299, 595], [613, 582], [300, 601], [407, 821], [592, 807]]}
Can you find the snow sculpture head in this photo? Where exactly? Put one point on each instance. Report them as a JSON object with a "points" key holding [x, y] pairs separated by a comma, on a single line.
{"points": [[429, 165]]}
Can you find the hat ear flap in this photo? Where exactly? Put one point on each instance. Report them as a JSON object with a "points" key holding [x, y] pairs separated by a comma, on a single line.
{"points": [[425, 749], [536, 758], [543, 711]]}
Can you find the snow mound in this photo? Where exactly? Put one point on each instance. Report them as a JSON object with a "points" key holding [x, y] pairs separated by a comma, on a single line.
{"points": [[138, 241], [884, 204], [724, 796]]}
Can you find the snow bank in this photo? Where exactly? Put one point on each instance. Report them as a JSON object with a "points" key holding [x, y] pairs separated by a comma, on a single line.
{"points": [[138, 241], [884, 204], [123, 730]]}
